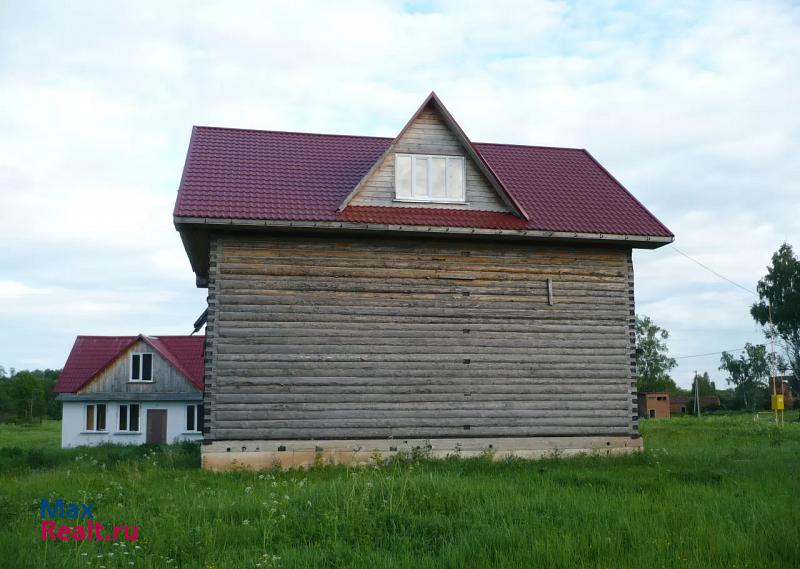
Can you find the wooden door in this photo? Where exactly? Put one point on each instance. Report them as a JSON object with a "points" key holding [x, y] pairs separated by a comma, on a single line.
{"points": [[157, 426]]}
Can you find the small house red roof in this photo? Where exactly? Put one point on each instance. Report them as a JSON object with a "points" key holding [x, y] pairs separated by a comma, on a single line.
{"points": [[290, 176], [92, 354]]}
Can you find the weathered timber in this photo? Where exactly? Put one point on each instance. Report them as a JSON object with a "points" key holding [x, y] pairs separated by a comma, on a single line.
{"points": [[320, 338]]}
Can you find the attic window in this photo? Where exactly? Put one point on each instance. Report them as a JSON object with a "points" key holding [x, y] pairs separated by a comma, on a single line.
{"points": [[429, 178], [141, 367]]}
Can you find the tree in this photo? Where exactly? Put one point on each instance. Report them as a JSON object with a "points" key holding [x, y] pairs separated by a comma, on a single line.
{"points": [[704, 384], [747, 372], [779, 292], [653, 363], [26, 392]]}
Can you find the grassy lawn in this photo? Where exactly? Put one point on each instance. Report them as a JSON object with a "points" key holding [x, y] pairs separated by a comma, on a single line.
{"points": [[721, 491]]}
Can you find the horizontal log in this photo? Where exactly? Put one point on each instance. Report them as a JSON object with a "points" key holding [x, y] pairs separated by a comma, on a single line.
{"points": [[488, 369], [328, 433], [551, 420], [465, 313], [420, 342], [262, 404], [258, 418], [394, 376], [297, 392]]}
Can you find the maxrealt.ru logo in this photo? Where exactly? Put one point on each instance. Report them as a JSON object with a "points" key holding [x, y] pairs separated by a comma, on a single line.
{"points": [[89, 531]]}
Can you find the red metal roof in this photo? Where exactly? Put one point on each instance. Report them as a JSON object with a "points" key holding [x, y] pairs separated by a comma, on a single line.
{"points": [[290, 176], [92, 354]]}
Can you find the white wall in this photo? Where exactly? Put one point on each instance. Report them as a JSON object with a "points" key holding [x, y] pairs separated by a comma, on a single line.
{"points": [[72, 423]]}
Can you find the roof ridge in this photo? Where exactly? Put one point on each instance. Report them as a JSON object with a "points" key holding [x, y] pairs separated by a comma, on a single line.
{"points": [[136, 336], [373, 137], [297, 132], [107, 336], [173, 336], [572, 148]]}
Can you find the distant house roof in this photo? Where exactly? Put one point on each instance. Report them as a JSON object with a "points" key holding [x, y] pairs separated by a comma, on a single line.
{"points": [[92, 354], [252, 175], [291, 176]]}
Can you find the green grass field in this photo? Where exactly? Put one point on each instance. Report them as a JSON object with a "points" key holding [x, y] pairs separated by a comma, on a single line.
{"points": [[721, 491]]}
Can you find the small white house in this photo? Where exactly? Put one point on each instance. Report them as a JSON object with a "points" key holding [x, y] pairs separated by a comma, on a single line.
{"points": [[132, 390]]}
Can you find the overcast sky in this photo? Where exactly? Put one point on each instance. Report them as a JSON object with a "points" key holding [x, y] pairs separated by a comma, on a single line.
{"points": [[693, 106]]}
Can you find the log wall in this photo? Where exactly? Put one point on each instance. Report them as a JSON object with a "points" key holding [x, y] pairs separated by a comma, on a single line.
{"points": [[346, 338]]}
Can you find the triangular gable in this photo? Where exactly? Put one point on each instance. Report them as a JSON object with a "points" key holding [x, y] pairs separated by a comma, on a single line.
{"points": [[168, 374], [75, 376], [485, 184]]}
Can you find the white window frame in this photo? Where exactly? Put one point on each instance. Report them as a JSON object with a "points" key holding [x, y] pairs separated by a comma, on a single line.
{"points": [[128, 431], [141, 367], [196, 410], [94, 417], [429, 199]]}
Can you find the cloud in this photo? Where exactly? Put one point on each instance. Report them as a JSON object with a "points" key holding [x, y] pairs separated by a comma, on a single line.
{"points": [[690, 104]]}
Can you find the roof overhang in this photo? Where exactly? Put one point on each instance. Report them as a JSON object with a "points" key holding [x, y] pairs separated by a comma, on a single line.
{"points": [[196, 233], [187, 396]]}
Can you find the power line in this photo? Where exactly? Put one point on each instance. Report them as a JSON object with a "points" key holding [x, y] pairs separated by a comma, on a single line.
{"points": [[723, 277], [712, 271], [708, 354]]}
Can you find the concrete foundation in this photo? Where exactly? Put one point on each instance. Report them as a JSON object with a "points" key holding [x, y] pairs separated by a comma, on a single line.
{"points": [[257, 455]]}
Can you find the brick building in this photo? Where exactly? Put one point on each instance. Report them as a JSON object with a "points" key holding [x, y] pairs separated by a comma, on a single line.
{"points": [[654, 405]]}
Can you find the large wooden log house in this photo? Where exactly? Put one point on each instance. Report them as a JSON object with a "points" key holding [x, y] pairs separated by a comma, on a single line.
{"points": [[424, 291]]}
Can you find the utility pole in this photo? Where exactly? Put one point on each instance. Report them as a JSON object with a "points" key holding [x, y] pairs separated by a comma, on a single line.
{"points": [[696, 394]]}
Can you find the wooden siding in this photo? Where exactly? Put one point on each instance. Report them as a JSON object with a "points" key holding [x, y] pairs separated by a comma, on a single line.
{"points": [[343, 338], [116, 377], [428, 135]]}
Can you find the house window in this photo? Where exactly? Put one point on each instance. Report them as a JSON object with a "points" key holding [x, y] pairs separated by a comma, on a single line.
{"points": [[129, 418], [194, 418], [141, 367], [96, 417], [428, 178], [652, 413]]}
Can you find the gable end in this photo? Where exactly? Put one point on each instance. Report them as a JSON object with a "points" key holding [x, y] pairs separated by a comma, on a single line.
{"points": [[432, 132]]}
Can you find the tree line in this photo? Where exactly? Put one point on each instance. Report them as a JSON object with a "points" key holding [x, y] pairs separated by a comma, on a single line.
{"points": [[27, 396], [749, 373]]}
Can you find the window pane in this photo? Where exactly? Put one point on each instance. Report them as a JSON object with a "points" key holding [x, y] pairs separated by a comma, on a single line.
{"points": [[123, 417], [402, 176], [147, 367], [90, 417], [135, 367], [420, 177], [455, 179], [438, 169], [134, 422], [101, 417], [190, 417]]}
